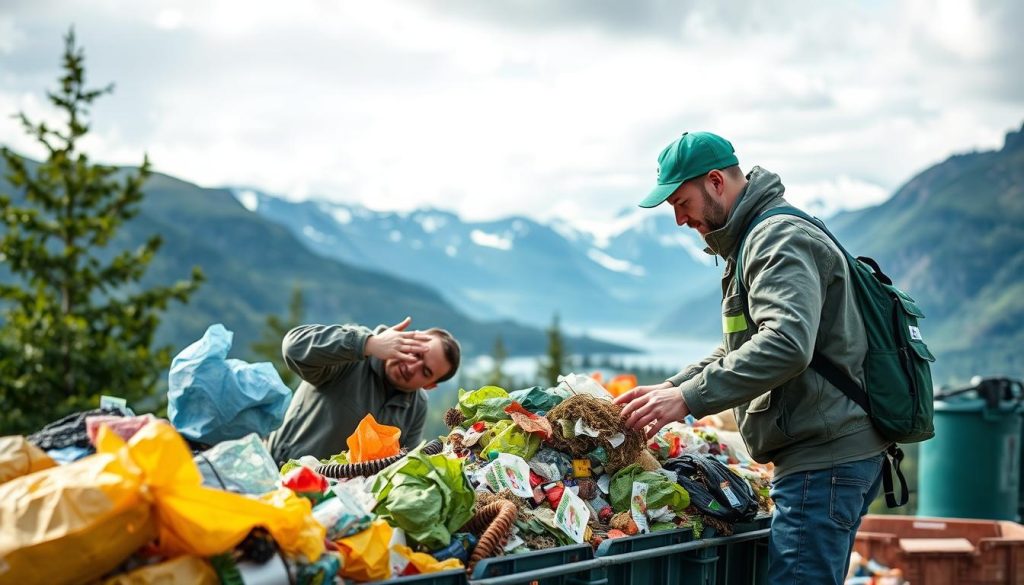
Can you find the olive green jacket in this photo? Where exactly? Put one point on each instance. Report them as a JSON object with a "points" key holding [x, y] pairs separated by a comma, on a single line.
{"points": [[340, 386], [799, 299]]}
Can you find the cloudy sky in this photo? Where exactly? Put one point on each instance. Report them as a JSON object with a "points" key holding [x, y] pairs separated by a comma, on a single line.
{"points": [[545, 108]]}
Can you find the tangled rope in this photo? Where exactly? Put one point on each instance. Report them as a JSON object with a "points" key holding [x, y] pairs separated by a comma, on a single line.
{"points": [[492, 525], [368, 468], [602, 416]]}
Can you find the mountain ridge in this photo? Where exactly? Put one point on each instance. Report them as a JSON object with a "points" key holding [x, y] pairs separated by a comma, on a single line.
{"points": [[512, 266], [251, 266]]}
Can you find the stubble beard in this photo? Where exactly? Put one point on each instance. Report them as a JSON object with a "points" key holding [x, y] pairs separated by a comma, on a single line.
{"points": [[714, 212]]}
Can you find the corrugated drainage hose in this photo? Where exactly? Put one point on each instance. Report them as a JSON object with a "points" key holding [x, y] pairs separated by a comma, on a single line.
{"points": [[368, 468], [492, 524]]}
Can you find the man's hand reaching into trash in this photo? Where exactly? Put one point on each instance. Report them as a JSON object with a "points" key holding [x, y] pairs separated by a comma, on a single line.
{"points": [[648, 408]]}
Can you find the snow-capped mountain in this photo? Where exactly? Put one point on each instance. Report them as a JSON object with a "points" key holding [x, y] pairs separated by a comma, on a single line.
{"points": [[626, 272]]}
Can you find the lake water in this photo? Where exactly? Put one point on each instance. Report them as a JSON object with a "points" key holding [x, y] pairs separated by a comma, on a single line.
{"points": [[668, 353]]}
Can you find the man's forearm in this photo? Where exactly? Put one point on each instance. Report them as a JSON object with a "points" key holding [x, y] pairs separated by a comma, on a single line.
{"points": [[693, 369], [311, 350]]}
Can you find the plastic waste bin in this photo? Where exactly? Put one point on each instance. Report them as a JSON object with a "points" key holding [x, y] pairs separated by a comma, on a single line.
{"points": [[945, 551], [670, 557], [971, 468], [564, 565]]}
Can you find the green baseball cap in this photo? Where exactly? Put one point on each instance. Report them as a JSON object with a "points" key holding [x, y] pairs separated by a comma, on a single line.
{"points": [[691, 155]]}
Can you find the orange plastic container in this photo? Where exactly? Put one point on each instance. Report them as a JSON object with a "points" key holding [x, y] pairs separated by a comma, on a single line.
{"points": [[945, 551]]}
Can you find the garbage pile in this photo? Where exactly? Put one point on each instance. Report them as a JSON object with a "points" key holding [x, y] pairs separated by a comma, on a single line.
{"points": [[575, 474], [106, 496]]}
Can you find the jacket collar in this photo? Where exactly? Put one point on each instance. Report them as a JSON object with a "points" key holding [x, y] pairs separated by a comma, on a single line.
{"points": [[764, 190]]}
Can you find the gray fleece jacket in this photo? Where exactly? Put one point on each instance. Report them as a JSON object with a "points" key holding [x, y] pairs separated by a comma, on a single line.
{"points": [[339, 387], [799, 299]]}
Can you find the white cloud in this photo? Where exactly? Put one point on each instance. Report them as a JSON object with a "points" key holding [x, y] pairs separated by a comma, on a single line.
{"points": [[519, 108], [825, 198], [168, 19], [10, 36]]}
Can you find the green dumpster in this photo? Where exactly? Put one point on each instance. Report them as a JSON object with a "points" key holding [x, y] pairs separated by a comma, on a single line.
{"points": [[670, 557], [971, 468]]}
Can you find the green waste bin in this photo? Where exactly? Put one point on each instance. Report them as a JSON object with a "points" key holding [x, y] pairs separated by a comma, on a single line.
{"points": [[971, 468]]}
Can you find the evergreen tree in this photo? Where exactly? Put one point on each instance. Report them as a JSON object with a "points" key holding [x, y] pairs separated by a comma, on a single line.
{"points": [[274, 330], [554, 364], [496, 377], [76, 321]]}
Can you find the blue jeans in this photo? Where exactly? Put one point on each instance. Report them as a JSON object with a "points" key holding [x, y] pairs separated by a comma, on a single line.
{"points": [[817, 514]]}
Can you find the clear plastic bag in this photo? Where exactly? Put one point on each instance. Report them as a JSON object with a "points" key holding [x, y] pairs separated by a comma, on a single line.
{"points": [[242, 466]]}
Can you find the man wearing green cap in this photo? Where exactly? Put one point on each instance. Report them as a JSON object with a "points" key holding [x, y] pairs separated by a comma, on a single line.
{"points": [[799, 299]]}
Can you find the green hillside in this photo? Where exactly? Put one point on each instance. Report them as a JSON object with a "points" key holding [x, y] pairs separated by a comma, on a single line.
{"points": [[954, 237], [252, 265]]}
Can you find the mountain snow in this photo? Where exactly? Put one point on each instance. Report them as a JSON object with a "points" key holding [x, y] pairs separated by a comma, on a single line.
{"points": [[694, 248], [482, 238], [316, 235], [248, 198], [602, 232], [614, 264], [342, 215], [431, 223]]}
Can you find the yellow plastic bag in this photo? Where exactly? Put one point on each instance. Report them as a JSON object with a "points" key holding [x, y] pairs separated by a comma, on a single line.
{"points": [[74, 523], [185, 570], [18, 457], [373, 440], [366, 554], [193, 519], [424, 563]]}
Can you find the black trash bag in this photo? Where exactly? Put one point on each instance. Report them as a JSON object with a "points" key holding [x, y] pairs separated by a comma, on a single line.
{"points": [[714, 489], [68, 431]]}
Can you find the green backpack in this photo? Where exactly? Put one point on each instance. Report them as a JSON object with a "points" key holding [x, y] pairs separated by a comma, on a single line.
{"points": [[897, 366]]}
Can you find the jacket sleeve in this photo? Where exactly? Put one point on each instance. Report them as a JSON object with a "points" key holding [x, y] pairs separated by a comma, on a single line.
{"points": [[788, 266], [694, 369], [317, 353]]}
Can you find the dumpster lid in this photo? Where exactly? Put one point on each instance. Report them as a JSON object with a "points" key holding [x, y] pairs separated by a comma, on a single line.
{"points": [[936, 545]]}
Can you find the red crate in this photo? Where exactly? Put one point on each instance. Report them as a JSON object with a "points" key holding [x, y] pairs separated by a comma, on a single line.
{"points": [[945, 551]]}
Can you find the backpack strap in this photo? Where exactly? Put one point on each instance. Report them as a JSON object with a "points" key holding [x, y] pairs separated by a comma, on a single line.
{"points": [[826, 367], [819, 363], [891, 460]]}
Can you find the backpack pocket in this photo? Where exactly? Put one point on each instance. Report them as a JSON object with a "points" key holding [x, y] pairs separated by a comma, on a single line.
{"points": [[913, 337], [899, 376], [918, 359]]}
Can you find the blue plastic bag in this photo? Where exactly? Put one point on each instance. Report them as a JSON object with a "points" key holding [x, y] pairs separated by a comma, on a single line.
{"points": [[212, 398]]}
